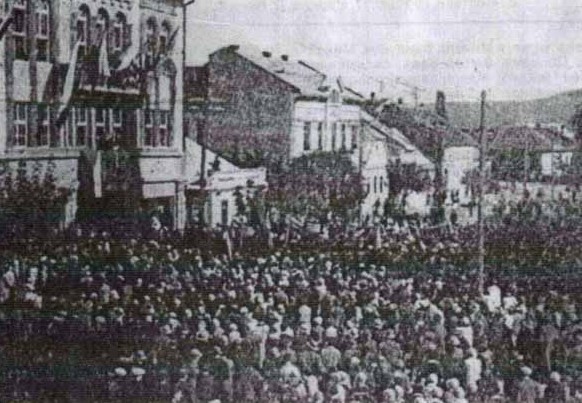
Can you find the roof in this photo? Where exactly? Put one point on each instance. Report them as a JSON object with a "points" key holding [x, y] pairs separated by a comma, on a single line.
{"points": [[523, 137], [425, 129], [305, 78]]}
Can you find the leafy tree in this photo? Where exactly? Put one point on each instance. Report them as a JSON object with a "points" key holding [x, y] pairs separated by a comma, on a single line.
{"points": [[29, 204], [315, 184]]}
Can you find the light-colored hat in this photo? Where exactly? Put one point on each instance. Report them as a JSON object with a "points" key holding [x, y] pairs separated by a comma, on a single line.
{"points": [[137, 371]]}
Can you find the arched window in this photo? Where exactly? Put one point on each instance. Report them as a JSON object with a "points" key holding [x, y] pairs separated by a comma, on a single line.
{"points": [[151, 30], [101, 25], [42, 30], [19, 28], [82, 29], [118, 32]]}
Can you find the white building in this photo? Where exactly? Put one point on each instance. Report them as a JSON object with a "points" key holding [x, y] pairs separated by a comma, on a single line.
{"points": [[222, 180]]}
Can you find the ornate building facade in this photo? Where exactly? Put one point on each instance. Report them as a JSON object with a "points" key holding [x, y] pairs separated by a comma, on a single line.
{"points": [[93, 88]]}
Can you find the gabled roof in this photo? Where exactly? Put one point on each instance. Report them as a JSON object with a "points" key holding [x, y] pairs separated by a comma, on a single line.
{"points": [[303, 77]]}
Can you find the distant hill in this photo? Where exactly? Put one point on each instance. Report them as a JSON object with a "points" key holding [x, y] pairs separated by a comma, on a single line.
{"points": [[556, 109]]}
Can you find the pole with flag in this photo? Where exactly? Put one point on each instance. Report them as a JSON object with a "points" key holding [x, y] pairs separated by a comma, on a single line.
{"points": [[71, 82]]}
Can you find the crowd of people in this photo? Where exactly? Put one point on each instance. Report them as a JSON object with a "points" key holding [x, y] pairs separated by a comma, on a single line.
{"points": [[358, 316]]}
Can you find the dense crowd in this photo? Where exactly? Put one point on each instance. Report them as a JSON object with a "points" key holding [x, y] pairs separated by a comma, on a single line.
{"points": [[383, 314]]}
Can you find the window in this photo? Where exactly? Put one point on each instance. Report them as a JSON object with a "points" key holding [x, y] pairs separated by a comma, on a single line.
{"points": [[224, 212], [150, 40], [100, 126], [42, 135], [20, 125], [335, 98], [82, 29], [42, 31], [307, 136], [381, 184], [19, 28], [80, 126], [117, 118], [375, 184], [149, 128], [343, 136], [354, 137], [333, 135], [163, 129], [118, 32], [101, 26], [320, 136]]}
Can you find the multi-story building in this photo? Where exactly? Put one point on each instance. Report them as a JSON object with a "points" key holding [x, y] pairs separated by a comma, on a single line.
{"points": [[95, 88], [258, 108]]}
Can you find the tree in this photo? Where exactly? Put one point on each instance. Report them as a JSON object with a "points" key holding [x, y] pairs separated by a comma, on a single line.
{"points": [[313, 185], [29, 204]]}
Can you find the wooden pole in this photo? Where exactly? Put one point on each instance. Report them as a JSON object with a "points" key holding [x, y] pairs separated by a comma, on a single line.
{"points": [[481, 228]]}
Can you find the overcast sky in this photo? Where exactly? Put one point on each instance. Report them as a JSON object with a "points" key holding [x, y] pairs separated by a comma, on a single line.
{"points": [[515, 49]]}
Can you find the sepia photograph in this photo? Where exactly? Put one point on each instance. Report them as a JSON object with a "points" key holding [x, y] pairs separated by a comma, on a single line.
{"points": [[309, 201]]}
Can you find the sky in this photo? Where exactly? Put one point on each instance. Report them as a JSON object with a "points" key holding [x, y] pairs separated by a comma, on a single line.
{"points": [[513, 49]]}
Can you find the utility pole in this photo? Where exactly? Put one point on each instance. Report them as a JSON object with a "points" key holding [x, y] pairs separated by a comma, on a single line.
{"points": [[481, 228]]}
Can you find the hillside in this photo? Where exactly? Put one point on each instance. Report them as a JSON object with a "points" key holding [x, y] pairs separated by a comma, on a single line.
{"points": [[556, 109]]}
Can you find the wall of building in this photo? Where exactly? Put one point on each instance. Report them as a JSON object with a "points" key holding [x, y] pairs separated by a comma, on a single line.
{"points": [[257, 107], [312, 119], [457, 162], [554, 163]]}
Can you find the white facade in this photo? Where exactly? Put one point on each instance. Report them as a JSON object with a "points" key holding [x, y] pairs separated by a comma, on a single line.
{"points": [[324, 126], [554, 163], [457, 163], [221, 184]]}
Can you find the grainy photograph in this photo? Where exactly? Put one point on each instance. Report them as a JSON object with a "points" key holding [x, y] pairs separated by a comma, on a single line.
{"points": [[347, 201]]}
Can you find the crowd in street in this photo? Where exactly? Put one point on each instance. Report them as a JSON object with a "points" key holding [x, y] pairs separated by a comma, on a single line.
{"points": [[384, 314]]}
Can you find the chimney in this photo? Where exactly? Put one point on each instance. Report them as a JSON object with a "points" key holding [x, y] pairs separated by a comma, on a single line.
{"points": [[266, 54], [285, 58], [372, 97]]}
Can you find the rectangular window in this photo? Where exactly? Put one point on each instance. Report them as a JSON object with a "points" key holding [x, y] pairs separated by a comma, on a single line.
{"points": [[117, 118], [320, 136], [117, 35], [100, 126], [343, 136], [149, 134], [19, 33], [381, 184], [307, 136], [81, 126], [224, 212], [20, 125], [354, 137], [42, 34], [163, 129], [375, 184], [333, 136], [42, 139]]}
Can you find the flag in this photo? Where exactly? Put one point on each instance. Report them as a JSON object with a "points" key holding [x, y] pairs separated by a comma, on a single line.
{"points": [[169, 47], [71, 82], [6, 23], [103, 66], [128, 72]]}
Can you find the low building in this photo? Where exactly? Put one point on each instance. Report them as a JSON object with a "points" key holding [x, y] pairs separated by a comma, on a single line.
{"points": [[212, 192]]}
